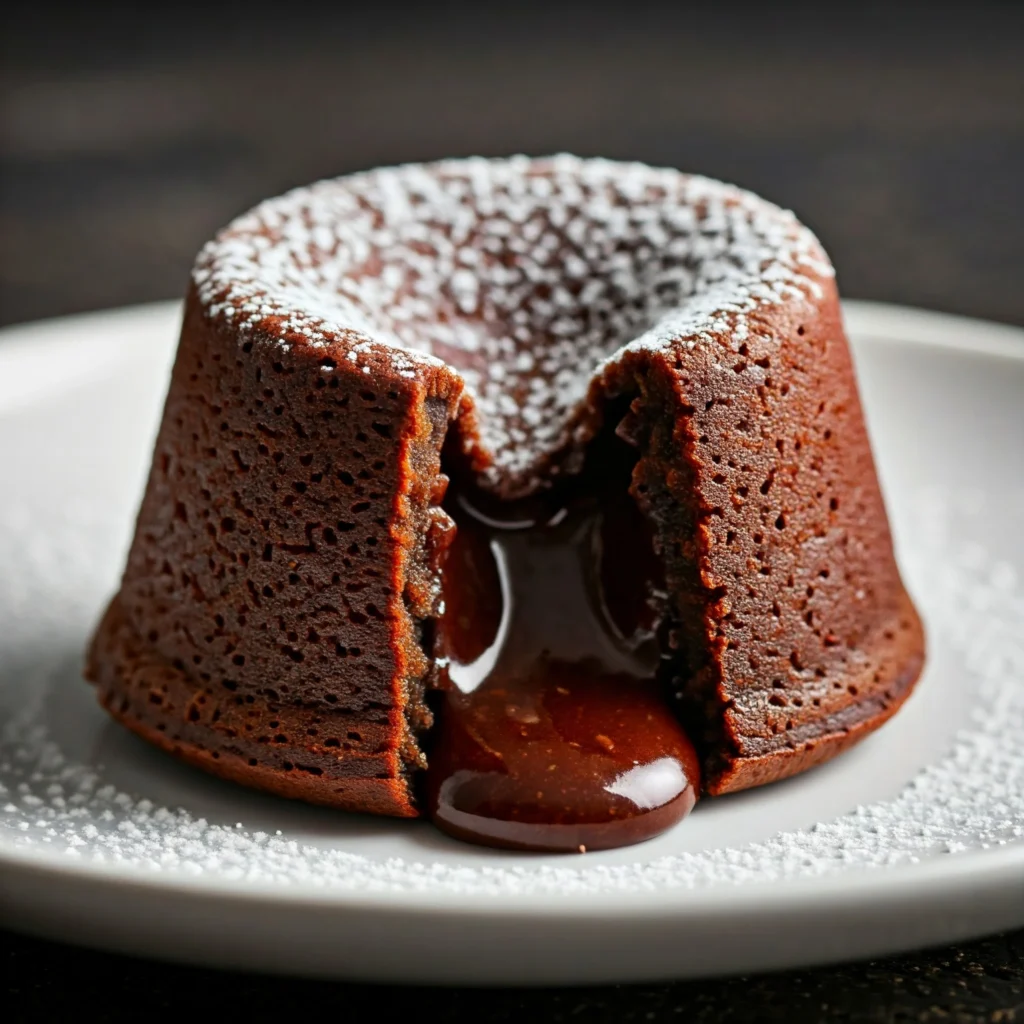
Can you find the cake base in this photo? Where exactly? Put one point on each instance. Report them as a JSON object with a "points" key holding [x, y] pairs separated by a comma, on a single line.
{"points": [[242, 741]]}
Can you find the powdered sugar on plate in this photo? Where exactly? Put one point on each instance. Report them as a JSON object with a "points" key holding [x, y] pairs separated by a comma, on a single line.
{"points": [[969, 799], [526, 276]]}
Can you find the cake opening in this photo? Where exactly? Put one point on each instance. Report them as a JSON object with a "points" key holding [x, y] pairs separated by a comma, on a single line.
{"points": [[555, 733]]}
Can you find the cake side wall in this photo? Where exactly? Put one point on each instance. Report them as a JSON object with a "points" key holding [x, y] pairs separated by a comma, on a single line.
{"points": [[796, 634], [815, 635], [269, 570]]}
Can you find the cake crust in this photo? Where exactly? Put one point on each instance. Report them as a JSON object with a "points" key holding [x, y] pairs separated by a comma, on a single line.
{"points": [[273, 624]]}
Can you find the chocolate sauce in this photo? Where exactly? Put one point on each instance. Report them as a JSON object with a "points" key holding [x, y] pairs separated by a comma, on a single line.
{"points": [[554, 734]]}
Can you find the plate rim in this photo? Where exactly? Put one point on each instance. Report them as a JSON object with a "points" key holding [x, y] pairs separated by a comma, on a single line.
{"points": [[989, 870]]}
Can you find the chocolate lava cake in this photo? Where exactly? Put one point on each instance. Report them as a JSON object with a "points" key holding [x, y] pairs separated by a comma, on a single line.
{"points": [[496, 489]]}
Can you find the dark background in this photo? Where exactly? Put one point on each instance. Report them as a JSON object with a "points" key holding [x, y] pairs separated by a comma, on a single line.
{"points": [[129, 134]]}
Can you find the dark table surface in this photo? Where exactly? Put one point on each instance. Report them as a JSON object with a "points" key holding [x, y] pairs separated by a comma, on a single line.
{"points": [[896, 133]]}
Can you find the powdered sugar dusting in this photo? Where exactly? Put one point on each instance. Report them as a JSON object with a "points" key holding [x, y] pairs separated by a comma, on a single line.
{"points": [[971, 798], [526, 276]]}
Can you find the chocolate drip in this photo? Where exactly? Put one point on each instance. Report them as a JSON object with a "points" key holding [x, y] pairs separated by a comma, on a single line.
{"points": [[554, 733]]}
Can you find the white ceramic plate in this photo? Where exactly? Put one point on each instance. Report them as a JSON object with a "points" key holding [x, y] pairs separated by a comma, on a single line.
{"points": [[916, 837]]}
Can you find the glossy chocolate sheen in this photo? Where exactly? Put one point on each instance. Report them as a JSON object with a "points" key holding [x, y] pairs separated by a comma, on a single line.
{"points": [[555, 733], [564, 760], [274, 622]]}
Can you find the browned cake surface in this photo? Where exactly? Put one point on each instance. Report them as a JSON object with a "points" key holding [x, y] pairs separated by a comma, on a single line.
{"points": [[791, 613], [267, 625], [274, 617]]}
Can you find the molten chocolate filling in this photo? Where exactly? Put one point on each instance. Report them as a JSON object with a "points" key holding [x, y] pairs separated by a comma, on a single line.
{"points": [[555, 733]]}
